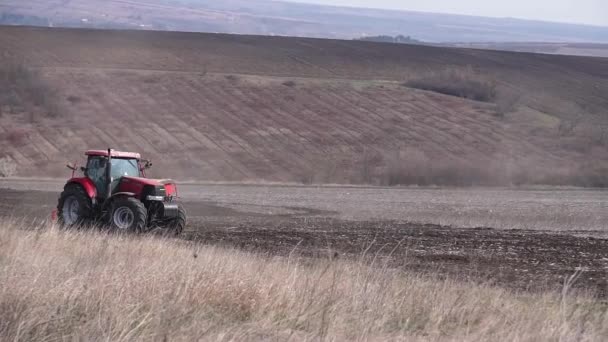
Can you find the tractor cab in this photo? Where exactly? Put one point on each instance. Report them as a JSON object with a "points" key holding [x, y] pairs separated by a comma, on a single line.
{"points": [[122, 164]]}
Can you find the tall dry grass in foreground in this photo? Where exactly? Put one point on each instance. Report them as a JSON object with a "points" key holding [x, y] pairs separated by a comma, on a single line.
{"points": [[57, 285]]}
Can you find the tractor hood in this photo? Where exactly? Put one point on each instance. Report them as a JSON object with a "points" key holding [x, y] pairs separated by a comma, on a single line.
{"points": [[136, 185], [148, 181]]}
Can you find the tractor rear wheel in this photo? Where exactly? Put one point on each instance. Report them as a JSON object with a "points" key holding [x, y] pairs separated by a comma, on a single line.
{"points": [[74, 206], [128, 214]]}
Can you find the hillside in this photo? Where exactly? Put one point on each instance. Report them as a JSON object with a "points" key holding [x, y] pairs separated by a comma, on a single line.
{"points": [[270, 17], [228, 107]]}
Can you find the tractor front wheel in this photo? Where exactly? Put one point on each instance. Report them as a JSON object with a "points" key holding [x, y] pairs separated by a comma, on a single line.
{"points": [[128, 215], [178, 224]]}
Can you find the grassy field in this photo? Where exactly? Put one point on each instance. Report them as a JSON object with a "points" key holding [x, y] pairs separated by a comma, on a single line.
{"points": [[58, 285]]}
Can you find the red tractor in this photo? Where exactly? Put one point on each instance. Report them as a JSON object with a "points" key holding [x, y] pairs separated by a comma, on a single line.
{"points": [[115, 190]]}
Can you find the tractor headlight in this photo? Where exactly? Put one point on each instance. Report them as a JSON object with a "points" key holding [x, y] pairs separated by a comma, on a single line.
{"points": [[155, 198]]}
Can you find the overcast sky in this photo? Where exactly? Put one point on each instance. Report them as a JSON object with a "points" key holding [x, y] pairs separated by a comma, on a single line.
{"points": [[594, 12]]}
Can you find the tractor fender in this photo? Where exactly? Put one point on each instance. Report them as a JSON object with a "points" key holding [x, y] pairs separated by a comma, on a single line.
{"points": [[107, 203], [125, 194], [86, 184]]}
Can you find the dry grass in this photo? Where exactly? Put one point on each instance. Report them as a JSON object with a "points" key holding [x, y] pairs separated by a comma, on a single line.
{"points": [[58, 285]]}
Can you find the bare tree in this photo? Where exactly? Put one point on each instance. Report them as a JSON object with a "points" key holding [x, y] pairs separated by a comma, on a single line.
{"points": [[8, 167], [507, 102]]}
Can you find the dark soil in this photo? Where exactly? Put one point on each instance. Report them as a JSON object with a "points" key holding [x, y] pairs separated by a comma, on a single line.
{"points": [[516, 259], [522, 260]]}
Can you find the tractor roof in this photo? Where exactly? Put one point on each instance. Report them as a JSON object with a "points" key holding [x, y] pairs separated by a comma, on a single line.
{"points": [[115, 154]]}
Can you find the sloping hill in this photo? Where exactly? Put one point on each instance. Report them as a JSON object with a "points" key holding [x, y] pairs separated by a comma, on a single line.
{"points": [[224, 107]]}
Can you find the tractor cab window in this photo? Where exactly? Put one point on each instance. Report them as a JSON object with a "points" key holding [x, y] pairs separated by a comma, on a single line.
{"points": [[96, 171], [124, 167]]}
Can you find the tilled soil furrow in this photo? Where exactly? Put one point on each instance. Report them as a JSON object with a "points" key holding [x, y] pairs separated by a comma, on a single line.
{"points": [[520, 260]]}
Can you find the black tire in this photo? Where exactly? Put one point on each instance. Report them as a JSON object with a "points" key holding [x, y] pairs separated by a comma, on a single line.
{"points": [[177, 226], [83, 214], [120, 219]]}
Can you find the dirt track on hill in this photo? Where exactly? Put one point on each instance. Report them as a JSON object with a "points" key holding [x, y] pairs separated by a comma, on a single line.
{"points": [[518, 259]]}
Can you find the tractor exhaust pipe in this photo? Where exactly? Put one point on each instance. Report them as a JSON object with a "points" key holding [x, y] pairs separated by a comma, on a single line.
{"points": [[109, 175]]}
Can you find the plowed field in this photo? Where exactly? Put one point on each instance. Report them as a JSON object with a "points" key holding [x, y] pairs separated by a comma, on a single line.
{"points": [[565, 234], [222, 107]]}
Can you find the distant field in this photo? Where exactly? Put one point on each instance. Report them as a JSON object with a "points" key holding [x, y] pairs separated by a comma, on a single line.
{"points": [[572, 49], [285, 18], [249, 108]]}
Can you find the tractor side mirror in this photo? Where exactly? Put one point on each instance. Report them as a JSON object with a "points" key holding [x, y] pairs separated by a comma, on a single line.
{"points": [[72, 166], [146, 164]]}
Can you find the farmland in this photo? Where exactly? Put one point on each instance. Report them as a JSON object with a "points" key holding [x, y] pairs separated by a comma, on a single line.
{"points": [[285, 18], [269, 260], [522, 239], [247, 108], [573, 49], [256, 129]]}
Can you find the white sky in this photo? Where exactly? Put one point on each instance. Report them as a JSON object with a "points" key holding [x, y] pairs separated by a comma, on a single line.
{"points": [[593, 12]]}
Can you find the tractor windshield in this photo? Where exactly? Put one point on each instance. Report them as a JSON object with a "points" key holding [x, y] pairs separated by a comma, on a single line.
{"points": [[124, 167]]}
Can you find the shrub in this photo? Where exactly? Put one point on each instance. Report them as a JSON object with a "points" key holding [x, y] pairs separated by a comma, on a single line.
{"points": [[439, 173], [567, 126], [416, 169], [507, 102], [16, 136], [306, 177], [598, 134], [151, 79], [74, 99], [232, 78], [461, 83], [22, 89], [8, 167], [591, 174], [409, 167]]}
